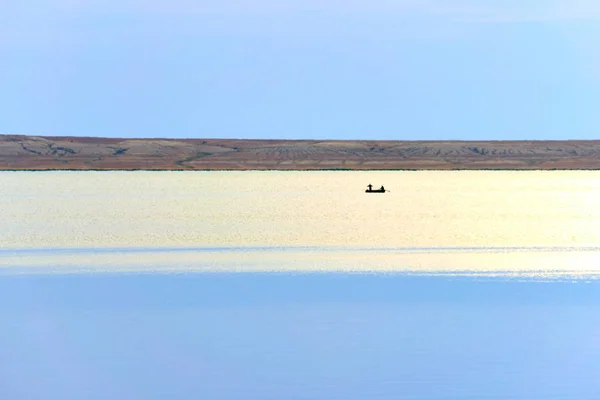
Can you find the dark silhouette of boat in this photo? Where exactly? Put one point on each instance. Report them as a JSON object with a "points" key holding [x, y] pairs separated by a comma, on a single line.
{"points": [[371, 190]]}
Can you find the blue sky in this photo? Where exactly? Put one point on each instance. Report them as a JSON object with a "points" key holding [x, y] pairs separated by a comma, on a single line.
{"points": [[355, 69]]}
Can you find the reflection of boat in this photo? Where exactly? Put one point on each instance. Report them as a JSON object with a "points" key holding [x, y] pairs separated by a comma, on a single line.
{"points": [[370, 189]]}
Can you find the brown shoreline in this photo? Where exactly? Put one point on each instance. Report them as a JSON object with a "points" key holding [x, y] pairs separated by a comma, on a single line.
{"points": [[19, 152]]}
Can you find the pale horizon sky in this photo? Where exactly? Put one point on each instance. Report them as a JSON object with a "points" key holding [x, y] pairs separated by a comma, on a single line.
{"points": [[406, 70]]}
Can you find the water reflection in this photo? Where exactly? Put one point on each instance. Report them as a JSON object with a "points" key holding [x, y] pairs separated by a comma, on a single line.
{"points": [[85, 315], [524, 223], [299, 336], [533, 262], [196, 209]]}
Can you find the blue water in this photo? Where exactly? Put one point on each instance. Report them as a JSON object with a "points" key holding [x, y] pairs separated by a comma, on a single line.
{"points": [[297, 336]]}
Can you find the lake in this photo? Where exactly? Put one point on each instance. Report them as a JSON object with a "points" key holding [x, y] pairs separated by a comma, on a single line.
{"points": [[298, 285]]}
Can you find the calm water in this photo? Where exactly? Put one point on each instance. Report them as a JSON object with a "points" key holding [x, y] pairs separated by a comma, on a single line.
{"points": [[455, 285], [526, 223]]}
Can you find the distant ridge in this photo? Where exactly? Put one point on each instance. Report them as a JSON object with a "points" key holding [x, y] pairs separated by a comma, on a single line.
{"points": [[20, 152]]}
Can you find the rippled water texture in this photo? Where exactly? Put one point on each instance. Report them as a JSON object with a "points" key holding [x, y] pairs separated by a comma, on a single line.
{"points": [[406, 334], [542, 224]]}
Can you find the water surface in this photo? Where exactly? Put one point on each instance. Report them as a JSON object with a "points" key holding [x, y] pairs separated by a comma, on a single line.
{"points": [[473, 222], [298, 285], [297, 336]]}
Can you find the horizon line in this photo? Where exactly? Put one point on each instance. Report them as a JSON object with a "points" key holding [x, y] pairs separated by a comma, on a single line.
{"points": [[292, 140]]}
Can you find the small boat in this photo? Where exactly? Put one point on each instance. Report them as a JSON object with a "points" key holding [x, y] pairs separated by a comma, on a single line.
{"points": [[371, 190]]}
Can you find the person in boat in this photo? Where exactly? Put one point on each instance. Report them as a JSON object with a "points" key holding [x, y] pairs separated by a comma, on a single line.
{"points": [[370, 187], [382, 188]]}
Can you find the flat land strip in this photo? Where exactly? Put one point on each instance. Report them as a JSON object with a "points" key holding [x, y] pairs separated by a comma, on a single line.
{"points": [[18, 152]]}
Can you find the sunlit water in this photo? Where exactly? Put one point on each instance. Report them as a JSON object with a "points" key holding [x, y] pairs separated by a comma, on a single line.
{"points": [[542, 224], [463, 285]]}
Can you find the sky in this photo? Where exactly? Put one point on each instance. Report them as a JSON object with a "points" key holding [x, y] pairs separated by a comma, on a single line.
{"points": [[310, 69]]}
